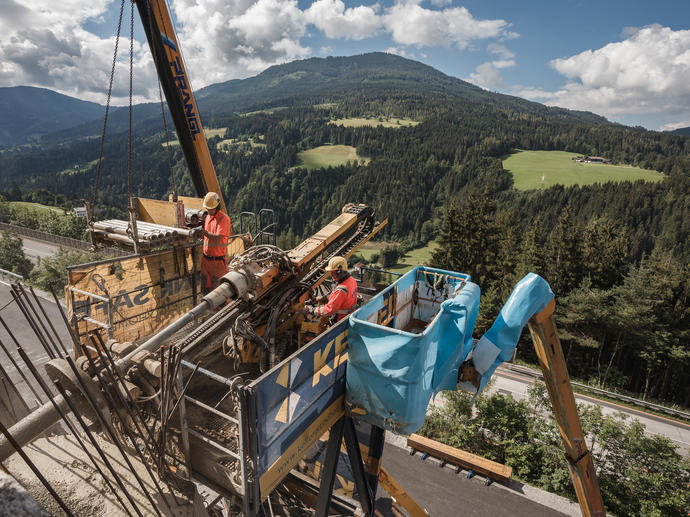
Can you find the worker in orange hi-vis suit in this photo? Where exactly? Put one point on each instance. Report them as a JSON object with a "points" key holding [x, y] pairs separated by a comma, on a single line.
{"points": [[214, 263], [343, 298]]}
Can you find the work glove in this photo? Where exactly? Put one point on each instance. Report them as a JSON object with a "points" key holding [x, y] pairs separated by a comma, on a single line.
{"points": [[307, 309]]}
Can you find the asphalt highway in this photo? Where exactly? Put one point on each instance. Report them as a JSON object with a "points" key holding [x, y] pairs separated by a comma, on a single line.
{"points": [[25, 336], [516, 384]]}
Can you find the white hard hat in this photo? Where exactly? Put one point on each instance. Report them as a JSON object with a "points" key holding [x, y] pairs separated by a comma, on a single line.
{"points": [[337, 264], [211, 201]]}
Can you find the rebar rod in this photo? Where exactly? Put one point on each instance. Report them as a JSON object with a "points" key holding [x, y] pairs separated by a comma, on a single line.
{"points": [[69, 424], [75, 340], [16, 366], [33, 468], [98, 448], [45, 315], [110, 432], [38, 318], [110, 364], [123, 422], [51, 353]]}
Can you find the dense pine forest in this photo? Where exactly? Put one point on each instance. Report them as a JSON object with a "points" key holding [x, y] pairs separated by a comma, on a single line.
{"points": [[616, 254]]}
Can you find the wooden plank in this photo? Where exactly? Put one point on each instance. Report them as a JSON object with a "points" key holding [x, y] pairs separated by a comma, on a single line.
{"points": [[318, 242], [147, 292], [196, 203], [479, 465], [158, 212]]}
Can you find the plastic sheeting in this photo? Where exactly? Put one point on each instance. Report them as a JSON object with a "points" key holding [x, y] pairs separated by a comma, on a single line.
{"points": [[392, 373], [530, 296]]}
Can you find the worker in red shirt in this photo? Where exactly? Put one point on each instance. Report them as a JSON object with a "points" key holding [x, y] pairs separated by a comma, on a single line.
{"points": [[214, 263], [343, 298]]}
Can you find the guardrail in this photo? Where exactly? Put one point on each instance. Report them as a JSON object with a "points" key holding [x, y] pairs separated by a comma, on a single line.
{"points": [[9, 275], [617, 396], [66, 242]]}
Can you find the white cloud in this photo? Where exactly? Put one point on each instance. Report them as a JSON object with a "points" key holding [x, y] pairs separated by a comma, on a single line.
{"points": [[42, 43], [500, 50], [326, 51], [649, 72], [397, 51], [675, 125], [337, 22], [223, 40], [46, 43], [487, 74], [411, 24]]}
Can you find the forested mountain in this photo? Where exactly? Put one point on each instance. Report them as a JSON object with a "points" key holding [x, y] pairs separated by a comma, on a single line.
{"points": [[28, 113], [462, 134], [613, 252], [683, 131]]}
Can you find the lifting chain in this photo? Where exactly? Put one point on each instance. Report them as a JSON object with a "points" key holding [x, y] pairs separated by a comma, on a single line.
{"points": [[105, 120]]}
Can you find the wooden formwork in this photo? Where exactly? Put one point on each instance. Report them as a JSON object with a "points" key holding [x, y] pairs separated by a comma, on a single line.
{"points": [[130, 298]]}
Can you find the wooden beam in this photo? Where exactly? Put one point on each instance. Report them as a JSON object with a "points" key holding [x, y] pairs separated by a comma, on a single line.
{"points": [[480, 465], [552, 363]]}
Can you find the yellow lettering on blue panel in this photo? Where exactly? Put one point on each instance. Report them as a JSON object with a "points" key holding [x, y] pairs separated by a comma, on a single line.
{"points": [[320, 366], [347, 487], [341, 342]]}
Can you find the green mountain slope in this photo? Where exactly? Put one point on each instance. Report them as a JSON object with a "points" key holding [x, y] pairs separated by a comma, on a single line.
{"points": [[375, 77], [337, 78], [30, 112]]}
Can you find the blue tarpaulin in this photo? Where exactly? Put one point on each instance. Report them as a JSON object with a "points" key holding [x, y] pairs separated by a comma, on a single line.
{"points": [[530, 296], [392, 372], [408, 342]]}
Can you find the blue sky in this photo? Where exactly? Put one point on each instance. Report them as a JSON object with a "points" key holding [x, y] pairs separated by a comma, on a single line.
{"points": [[628, 61]]}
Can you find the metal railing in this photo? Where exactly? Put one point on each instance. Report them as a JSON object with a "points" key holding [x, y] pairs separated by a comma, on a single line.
{"points": [[66, 242], [10, 276], [610, 394]]}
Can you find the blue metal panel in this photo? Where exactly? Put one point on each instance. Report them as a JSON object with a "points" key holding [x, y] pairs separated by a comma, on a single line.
{"points": [[294, 404]]}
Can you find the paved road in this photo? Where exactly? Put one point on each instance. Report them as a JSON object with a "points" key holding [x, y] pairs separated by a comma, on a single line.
{"points": [[35, 249], [516, 384], [22, 332]]}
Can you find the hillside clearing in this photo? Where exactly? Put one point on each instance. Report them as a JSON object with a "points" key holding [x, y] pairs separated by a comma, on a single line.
{"points": [[542, 169], [374, 122], [416, 257], [36, 207], [267, 111], [226, 145], [329, 156]]}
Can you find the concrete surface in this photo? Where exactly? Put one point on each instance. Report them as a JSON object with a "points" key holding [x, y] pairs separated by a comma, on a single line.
{"points": [[443, 493], [15, 501]]}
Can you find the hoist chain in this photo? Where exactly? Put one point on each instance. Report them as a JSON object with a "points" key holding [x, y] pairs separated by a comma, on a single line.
{"points": [[105, 120]]}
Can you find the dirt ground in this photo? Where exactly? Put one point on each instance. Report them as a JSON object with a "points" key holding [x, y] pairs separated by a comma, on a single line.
{"points": [[68, 469]]}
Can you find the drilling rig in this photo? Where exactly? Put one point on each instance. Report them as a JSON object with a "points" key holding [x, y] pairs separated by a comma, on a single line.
{"points": [[231, 389]]}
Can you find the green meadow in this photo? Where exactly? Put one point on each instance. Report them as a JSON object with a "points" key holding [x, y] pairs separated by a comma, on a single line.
{"points": [[36, 207], [328, 156], [542, 169], [375, 121], [416, 257]]}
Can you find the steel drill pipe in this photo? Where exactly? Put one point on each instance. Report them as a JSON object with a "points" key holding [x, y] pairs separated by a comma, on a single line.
{"points": [[233, 286], [71, 427]]}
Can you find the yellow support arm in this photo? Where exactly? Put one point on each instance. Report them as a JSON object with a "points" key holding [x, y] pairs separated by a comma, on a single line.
{"points": [[167, 56], [552, 362]]}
